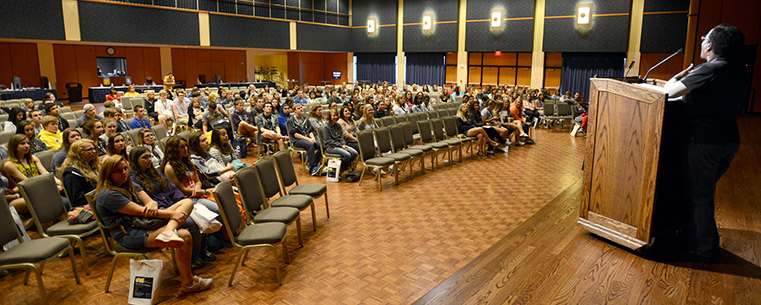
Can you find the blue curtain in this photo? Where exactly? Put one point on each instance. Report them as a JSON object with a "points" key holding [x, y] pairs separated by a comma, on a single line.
{"points": [[376, 67], [578, 68], [426, 68]]}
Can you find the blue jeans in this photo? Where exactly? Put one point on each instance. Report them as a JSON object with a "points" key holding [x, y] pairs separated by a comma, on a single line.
{"points": [[347, 155], [313, 151]]}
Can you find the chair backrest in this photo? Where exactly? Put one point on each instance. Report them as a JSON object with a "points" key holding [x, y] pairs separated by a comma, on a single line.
{"points": [[134, 136], [68, 116], [285, 168], [419, 116], [3, 118], [450, 126], [5, 136], [228, 207], [321, 134], [414, 118], [443, 113], [185, 135], [388, 121], [438, 129], [251, 195], [46, 158], [42, 198], [407, 133], [127, 102], [137, 100], [433, 114], [452, 111], [424, 128], [564, 109], [160, 131], [268, 176], [366, 144], [162, 143], [106, 235], [548, 108], [8, 229], [397, 137], [383, 139]]}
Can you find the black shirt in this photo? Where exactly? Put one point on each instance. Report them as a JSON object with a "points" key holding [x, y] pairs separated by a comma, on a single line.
{"points": [[716, 98]]}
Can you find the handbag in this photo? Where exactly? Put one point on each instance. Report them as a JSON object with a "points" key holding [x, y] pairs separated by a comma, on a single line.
{"points": [[240, 148], [238, 164], [148, 223]]}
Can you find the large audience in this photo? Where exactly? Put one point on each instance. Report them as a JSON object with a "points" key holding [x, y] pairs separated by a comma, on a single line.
{"points": [[146, 177]]}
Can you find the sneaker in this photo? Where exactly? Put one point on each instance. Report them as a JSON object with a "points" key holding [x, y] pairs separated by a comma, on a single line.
{"points": [[197, 264], [519, 143], [170, 239], [316, 171], [524, 135], [208, 256], [529, 141], [489, 152], [199, 284]]}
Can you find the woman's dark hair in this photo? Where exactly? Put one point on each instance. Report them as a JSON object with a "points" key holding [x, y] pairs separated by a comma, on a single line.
{"points": [[147, 177], [21, 125], [66, 133], [194, 144], [112, 150], [726, 41], [13, 113], [89, 126], [13, 144], [472, 111], [180, 165], [216, 141]]}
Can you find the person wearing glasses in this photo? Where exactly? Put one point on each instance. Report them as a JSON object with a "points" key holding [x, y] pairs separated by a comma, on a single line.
{"points": [[714, 94], [81, 168]]}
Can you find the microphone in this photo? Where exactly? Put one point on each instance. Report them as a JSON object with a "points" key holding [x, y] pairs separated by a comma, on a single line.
{"points": [[680, 51], [630, 68]]}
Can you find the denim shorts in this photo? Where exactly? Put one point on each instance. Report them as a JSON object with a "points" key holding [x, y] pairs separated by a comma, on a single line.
{"points": [[135, 239]]}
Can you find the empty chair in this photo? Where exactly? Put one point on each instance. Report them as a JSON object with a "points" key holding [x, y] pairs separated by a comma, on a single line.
{"points": [[388, 121], [438, 132], [383, 142], [41, 196], [68, 116], [369, 158], [5, 136], [433, 114], [160, 132], [409, 142], [443, 113], [253, 199], [288, 177], [426, 136], [397, 143], [252, 236], [267, 172], [79, 113], [31, 254]]}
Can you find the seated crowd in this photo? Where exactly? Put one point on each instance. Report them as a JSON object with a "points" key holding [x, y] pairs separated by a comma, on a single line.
{"points": [[144, 178]]}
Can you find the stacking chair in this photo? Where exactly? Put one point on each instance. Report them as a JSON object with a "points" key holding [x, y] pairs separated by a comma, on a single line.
{"points": [[388, 121], [383, 142], [564, 114], [548, 109], [368, 156], [45, 204], [252, 236], [398, 145], [134, 136], [79, 113], [452, 111], [253, 199], [288, 177], [433, 114], [302, 152], [5, 136], [438, 133], [46, 158], [65, 109], [68, 116], [160, 132], [114, 248], [443, 113], [426, 136], [127, 106], [321, 134], [409, 142], [32, 254], [450, 127], [267, 172]]}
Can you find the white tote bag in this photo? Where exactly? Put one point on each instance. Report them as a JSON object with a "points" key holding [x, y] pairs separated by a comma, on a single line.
{"points": [[334, 170], [20, 228], [205, 219], [145, 276]]}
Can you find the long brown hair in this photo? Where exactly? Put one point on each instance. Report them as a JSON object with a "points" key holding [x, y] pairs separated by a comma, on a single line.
{"points": [[194, 144], [148, 176], [104, 181], [13, 144], [112, 150], [216, 141], [180, 165], [66, 133]]}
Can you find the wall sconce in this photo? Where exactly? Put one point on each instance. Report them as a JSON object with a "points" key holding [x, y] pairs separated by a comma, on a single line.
{"points": [[372, 26], [584, 15], [428, 23], [497, 20]]}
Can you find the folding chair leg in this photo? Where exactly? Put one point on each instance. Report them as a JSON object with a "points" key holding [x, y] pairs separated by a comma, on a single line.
{"points": [[84, 256], [110, 273], [74, 264], [286, 259], [238, 262], [298, 230], [314, 217], [277, 264], [40, 285], [362, 175], [327, 208]]}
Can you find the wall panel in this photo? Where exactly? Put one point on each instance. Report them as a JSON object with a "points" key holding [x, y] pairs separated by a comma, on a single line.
{"points": [[133, 24], [323, 38], [444, 37], [19, 59], [664, 25], [39, 19], [386, 14], [609, 31], [517, 35]]}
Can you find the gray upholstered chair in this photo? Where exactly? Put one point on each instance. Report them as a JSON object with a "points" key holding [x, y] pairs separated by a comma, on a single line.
{"points": [[251, 236], [409, 141], [32, 254], [301, 151], [44, 202], [438, 133], [383, 142], [46, 158], [397, 142], [114, 248], [321, 134], [253, 199], [160, 132], [369, 158], [288, 177], [426, 136], [265, 168]]}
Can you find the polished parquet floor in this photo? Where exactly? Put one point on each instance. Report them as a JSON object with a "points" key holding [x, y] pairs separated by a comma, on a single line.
{"points": [[409, 241]]}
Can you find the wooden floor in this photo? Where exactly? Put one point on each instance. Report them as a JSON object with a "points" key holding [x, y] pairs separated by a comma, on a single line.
{"points": [[500, 230]]}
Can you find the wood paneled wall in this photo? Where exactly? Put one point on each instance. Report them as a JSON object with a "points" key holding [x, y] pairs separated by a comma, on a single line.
{"points": [[188, 64], [19, 59], [312, 68]]}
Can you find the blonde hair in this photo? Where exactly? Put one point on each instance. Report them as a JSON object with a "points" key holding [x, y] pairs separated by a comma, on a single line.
{"points": [[75, 158]]}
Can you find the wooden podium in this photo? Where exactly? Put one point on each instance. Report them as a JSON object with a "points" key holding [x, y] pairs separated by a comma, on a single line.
{"points": [[623, 168]]}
